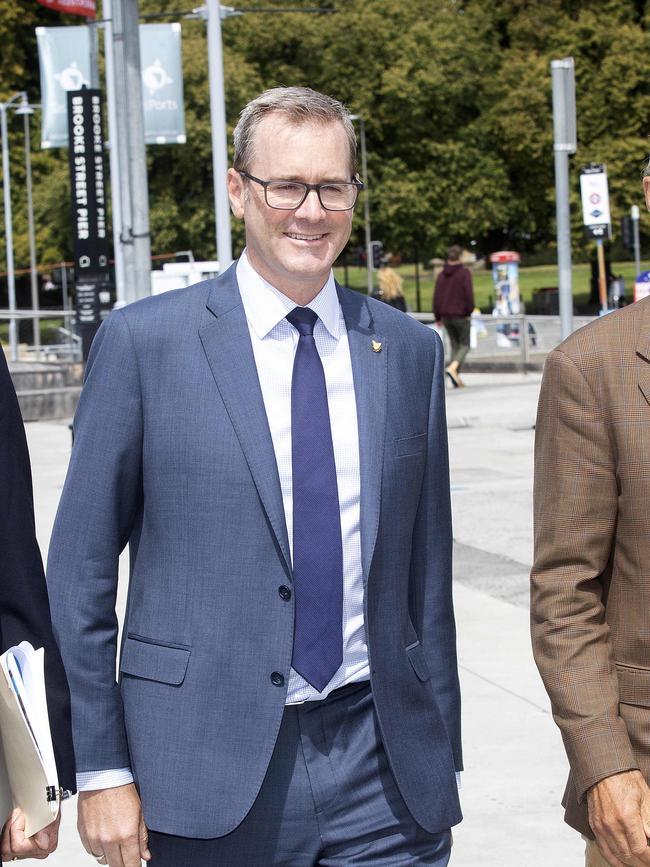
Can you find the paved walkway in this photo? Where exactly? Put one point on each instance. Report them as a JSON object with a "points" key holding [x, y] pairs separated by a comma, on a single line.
{"points": [[515, 765]]}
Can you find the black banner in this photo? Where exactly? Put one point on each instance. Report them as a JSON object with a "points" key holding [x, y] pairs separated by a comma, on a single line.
{"points": [[89, 213]]}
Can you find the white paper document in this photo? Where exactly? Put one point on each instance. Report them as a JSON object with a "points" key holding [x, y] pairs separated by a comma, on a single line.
{"points": [[28, 777]]}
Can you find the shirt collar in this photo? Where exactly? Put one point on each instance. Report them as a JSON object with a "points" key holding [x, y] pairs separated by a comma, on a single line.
{"points": [[265, 306]]}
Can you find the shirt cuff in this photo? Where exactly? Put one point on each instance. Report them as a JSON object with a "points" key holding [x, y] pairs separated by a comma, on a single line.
{"points": [[90, 780], [457, 779]]}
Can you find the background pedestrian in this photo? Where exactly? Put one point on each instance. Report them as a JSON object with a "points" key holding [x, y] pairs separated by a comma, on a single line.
{"points": [[453, 302]]}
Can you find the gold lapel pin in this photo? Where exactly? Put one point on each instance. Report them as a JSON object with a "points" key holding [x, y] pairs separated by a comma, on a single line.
{"points": [[376, 347]]}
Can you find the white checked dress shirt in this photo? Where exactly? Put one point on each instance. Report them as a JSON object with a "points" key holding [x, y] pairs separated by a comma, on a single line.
{"points": [[274, 343]]}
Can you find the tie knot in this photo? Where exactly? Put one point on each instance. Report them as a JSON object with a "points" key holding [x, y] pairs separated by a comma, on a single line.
{"points": [[303, 319]]}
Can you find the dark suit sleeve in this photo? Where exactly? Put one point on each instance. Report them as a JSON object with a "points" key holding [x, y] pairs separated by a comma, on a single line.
{"points": [[24, 608]]}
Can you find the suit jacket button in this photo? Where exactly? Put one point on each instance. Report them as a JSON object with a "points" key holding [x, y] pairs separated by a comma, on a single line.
{"points": [[284, 592], [277, 679]]}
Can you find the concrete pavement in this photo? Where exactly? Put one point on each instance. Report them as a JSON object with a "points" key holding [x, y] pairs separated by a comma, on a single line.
{"points": [[515, 765]]}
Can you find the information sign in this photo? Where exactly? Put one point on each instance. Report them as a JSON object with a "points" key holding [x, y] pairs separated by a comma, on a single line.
{"points": [[595, 201]]}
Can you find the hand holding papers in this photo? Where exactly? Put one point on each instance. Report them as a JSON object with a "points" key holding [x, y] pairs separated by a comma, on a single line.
{"points": [[28, 777]]}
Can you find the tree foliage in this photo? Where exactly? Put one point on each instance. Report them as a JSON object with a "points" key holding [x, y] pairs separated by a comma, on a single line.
{"points": [[456, 99]]}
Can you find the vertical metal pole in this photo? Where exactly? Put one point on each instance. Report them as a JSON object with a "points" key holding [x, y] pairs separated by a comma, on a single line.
{"points": [[602, 278], [119, 141], [563, 242], [134, 191], [634, 213], [33, 273], [564, 143], [219, 139], [9, 237], [113, 153], [366, 206], [137, 170]]}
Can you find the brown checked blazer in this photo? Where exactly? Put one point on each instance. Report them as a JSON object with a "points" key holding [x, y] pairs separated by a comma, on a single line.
{"points": [[590, 583]]}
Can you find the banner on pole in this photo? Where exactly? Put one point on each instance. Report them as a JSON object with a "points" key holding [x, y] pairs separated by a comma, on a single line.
{"points": [[64, 59], [87, 8], [162, 83]]}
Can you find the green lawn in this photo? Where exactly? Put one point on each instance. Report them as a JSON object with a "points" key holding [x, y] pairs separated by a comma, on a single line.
{"points": [[529, 280]]}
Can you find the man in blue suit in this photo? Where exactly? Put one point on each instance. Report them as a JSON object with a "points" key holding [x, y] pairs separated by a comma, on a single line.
{"points": [[273, 448]]}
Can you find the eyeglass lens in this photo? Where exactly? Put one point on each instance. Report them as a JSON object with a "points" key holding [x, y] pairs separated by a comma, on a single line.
{"points": [[289, 195]]}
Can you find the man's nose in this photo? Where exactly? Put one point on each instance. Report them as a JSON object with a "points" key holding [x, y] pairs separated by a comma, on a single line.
{"points": [[311, 208]]}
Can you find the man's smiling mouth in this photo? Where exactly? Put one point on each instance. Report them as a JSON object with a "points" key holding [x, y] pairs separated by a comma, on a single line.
{"points": [[298, 237]]}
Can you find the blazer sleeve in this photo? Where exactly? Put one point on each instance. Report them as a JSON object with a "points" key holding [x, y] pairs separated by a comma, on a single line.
{"points": [[431, 565], [100, 503], [575, 509], [24, 608]]}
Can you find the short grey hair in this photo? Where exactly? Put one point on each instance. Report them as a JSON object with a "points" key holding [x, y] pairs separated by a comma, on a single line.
{"points": [[299, 105], [646, 170]]}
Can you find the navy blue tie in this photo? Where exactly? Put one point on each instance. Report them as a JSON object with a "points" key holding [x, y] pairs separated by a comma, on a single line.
{"points": [[317, 546]]}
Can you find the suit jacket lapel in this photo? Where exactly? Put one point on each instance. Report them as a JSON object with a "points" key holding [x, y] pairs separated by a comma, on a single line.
{"points": [[227, 345], [369, 370]]}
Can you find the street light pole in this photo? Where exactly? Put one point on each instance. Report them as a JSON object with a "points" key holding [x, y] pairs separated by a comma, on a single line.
{"points": [[564, 143], [26, 110], [9, 235], [219, 135]]}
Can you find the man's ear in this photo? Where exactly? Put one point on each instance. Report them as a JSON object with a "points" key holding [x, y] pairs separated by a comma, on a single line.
{"points": [[646, 190], [236, 193]]}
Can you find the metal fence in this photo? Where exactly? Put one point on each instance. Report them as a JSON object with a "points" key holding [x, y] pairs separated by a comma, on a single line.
{"points": [[68, 344], [522, 340]]}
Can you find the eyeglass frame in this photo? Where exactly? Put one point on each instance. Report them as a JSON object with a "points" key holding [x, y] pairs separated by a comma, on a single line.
{"points": [[308, 188]]}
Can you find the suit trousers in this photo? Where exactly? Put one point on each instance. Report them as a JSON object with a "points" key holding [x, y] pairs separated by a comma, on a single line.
{"points": [[328, 798]]}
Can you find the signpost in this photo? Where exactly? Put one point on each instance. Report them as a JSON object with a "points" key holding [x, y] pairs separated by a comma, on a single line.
{"points": [[596, 218]]}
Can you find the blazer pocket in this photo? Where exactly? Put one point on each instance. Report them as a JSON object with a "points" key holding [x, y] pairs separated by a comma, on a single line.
{"points": [[416, 658], [414, 445], [153, 661], [633, 685]]}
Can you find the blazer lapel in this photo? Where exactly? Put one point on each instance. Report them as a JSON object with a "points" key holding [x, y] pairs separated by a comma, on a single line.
{"points": [[643, 350], [227, 345], [369, 354]]}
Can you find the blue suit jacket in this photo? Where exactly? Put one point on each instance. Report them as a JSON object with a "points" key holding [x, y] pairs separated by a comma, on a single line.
{"points": [[173, 454]]}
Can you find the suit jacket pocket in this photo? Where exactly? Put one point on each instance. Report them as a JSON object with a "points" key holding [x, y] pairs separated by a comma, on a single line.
{"points": [[413, 445], [151, 660], [633, 685], [416, 657]]}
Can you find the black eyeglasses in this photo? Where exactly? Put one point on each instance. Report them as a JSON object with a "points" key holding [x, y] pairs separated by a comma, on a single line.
{"points": [[289, 195]]}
